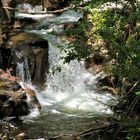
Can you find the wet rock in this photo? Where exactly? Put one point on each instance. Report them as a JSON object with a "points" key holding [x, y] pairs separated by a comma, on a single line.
{"points": [[4, 97], [7, 82], [12, 107], [7, 13], [108, 80], [33, 49], [32, 99], [112, 90], [12, 102], [24, 22], [16, 102]]}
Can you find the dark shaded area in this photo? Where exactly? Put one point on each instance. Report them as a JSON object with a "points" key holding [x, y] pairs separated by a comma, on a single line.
{"points": [[5, 58], [13, 106]]}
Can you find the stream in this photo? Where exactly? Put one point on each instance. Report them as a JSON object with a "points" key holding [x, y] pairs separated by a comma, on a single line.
{"points": [[70, 101]]}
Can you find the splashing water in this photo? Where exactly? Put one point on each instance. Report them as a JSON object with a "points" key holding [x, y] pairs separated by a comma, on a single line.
{"points": [[73, 88]]}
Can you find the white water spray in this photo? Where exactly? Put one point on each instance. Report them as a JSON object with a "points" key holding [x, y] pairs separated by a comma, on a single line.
{"points": [[73, 88]]}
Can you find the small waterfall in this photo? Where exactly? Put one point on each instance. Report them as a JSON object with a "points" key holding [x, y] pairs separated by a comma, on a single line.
{"points": [[22, 69], [70, 86], [27, 71]]}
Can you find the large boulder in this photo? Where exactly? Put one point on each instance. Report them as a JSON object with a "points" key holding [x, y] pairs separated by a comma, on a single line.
{"points": [[13, 102], [16, 99], [31, 50]]}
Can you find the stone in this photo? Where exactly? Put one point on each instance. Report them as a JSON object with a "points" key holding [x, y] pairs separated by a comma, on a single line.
{"points": [[33, 101], [12, 102], [34, 49], [12, 107], [16, 102]]}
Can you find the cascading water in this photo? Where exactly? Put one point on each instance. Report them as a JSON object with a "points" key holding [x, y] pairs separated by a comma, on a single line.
{"points": [[71, 102], [73, 87], [22, 71]]}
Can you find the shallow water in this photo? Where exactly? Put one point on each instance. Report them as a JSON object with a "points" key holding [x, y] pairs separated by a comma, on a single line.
{"points": [[53, 122]]}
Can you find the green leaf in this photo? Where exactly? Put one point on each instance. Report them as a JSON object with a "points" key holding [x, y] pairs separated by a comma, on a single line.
{"points": [[137, 93]]}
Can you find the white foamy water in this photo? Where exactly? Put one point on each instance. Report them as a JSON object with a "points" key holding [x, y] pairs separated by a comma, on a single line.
{"points": [[36, 16], [73, 87]]}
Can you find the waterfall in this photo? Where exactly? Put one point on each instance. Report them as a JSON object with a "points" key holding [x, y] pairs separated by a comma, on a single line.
{"points": [[70, 101], [22, 69], [71, 86]]}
